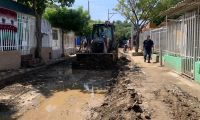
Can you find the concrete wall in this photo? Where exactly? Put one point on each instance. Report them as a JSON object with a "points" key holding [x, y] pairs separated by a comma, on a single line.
{"points": [[155, 58], [57, 44], [10, 60], [56, 53], [46, 54], [197, 71], [174, 63]]}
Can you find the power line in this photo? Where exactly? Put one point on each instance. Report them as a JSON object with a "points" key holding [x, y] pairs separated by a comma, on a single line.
{"points": [[110, 13]]}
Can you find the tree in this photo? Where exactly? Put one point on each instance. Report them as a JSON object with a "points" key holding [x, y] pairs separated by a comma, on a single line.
{"points": [[162, 6], [140, 12], [137, 12], [76, 20], [39, 6], [122, 31], [87, 30]]}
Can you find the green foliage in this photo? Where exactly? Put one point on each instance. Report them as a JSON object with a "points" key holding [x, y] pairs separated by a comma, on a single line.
{"points": [[162, 6], [63, 3], [39, 6], [122, 30], [140, 12], [69, 19], [136, 11], [87, 31]]}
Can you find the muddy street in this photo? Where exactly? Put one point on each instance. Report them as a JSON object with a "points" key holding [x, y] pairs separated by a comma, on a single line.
{"points": [[54, 93], [124, 93], [136, 96]]}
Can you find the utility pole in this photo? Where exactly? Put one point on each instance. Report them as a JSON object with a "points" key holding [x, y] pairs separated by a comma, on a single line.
{"points": [[89, 7], [131, 42], [110, 13]]}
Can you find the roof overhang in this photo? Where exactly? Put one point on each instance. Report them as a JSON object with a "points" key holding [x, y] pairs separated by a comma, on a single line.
{"points": [[181, 7]]}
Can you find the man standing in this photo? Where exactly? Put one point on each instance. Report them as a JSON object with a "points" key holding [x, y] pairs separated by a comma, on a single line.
{"points": [[147, 47]]}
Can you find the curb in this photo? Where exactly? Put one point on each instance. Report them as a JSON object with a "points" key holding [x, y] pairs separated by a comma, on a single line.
{"points": [[5, 79]]}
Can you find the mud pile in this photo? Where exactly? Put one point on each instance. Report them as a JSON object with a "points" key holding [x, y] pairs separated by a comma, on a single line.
{"points": [[183, 106], [122, 100]]}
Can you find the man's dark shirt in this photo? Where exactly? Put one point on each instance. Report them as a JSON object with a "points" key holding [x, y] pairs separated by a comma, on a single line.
{"points": [[148, 44]]}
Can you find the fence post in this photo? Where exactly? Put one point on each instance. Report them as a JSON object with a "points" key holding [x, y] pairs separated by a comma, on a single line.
{"points": [[1, 40], [160, 50], [195, 40], [16, 40]]}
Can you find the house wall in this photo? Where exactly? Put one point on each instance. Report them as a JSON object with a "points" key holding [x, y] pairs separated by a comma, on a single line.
{"points": [[69, 43], [56, 53], [174, 63], [46, 54], [47, 34], [57, 44], [10, 60]]}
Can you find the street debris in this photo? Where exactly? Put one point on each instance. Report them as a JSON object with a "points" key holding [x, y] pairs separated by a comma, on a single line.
{"points": [[122, 101]]}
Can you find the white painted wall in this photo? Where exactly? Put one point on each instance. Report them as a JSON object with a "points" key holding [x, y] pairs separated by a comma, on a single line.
{"points": [[47, 33], [56, 44]]}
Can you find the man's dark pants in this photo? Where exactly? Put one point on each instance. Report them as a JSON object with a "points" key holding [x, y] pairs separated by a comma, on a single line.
{"points": [[147, 52]]}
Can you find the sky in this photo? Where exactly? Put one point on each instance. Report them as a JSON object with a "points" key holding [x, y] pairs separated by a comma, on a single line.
{"points": [[99, 9]]}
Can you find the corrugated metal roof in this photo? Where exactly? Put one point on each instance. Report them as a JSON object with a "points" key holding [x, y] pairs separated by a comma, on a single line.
{"points": [[11, 5], [181, 7]]}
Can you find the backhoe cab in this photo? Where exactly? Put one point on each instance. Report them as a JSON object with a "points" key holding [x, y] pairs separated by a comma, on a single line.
{"points": [[102, 49]]}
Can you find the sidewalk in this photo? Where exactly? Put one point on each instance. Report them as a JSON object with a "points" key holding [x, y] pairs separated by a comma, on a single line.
{"points": [[158, 79], [163, 75], [5, 76]]}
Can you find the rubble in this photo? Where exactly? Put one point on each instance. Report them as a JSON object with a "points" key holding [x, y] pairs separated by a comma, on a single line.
{"points": [[122, 102]]}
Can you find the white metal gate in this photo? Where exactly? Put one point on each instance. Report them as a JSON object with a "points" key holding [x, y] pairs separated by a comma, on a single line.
{"points": [[189, 29], [8, 40], [24, 23]]}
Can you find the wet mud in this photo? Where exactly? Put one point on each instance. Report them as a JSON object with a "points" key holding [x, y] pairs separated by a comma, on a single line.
{"points": [[122, 101], [124, 93], [127, 99], [182, 106], [57, 89]]}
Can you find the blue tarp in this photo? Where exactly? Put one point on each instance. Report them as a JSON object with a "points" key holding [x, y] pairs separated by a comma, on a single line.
{"points": [[78, 41]]}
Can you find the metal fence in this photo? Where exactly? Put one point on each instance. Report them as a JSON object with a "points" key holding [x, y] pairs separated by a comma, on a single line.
{"points": [[23, 33], [8, 40], [181, 38], [158, 36], [20, 38]]}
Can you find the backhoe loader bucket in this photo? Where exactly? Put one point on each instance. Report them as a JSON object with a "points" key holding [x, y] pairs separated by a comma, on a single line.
{"points": [[95, 60]]}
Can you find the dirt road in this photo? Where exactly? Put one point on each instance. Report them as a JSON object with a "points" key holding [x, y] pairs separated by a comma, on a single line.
{"points": [[144, 92]]}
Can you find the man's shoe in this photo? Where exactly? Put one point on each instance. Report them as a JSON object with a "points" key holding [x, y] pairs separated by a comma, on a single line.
{"points": [[149, 62], [144, 60]]}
